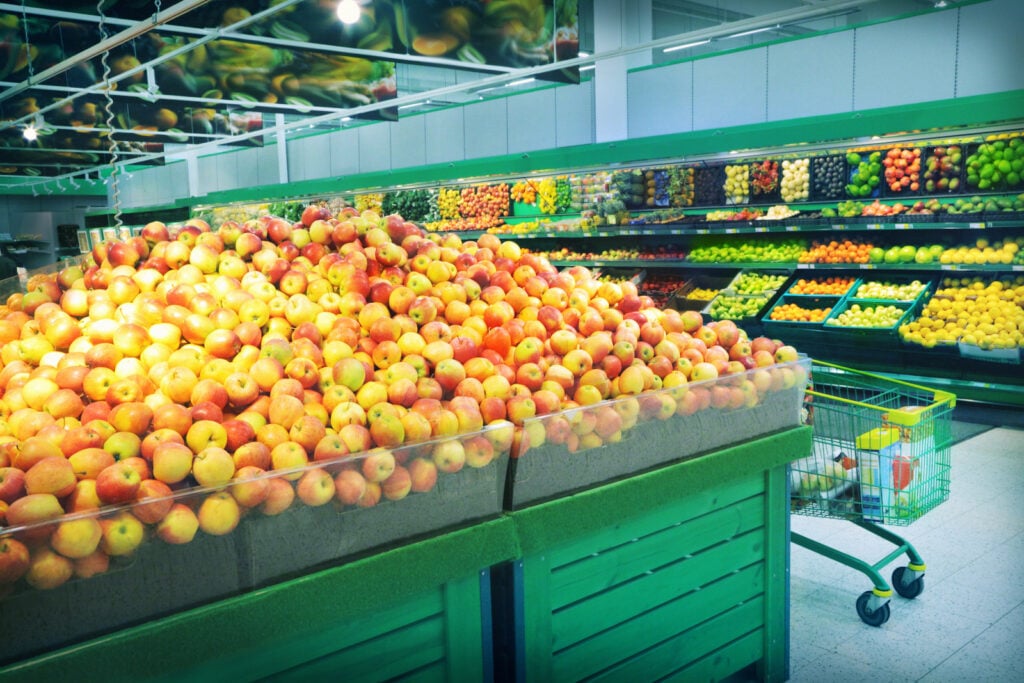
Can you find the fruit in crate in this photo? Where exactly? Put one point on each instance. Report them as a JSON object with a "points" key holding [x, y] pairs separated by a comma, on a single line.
{"points": [[448, 203], [708, 185], [1004, 251], [868, 315], [866, 174], [828, 177], [835, 286], [902, 169], [789, 312], [758, 283], [762, 251], [997, 165], [660, 286], [942, 169], [524, 192], [726, 307], [737, 183], [764, 178], [796, 180], [907, 291], [838, 251], [702, 293], [778, 212], [988, 313]]}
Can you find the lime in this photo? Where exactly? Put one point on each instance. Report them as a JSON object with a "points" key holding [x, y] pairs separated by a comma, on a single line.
{"points": [[907, 253]]}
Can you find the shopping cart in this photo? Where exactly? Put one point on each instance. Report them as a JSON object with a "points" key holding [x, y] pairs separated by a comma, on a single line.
{"points": [[880, 456]]}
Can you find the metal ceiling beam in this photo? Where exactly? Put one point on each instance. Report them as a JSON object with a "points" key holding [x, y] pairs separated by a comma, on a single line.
{"points": [[99, 87], [722, 31], [134, 31]]}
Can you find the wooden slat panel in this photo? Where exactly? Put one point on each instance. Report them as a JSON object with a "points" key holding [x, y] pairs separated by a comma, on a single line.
{"points": [[698, 650], [731, 659], [625, 640], [379, 659], [294, 651], [631, 600], [535, 636], [678, 510], [464, 627], [596, 573]]}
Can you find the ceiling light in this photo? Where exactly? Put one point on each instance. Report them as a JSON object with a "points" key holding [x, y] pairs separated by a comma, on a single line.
{"points": [[588, 67], [31, 133], [940, 4], [522, 81], [676, 48], [348, 11], [753, 31]]}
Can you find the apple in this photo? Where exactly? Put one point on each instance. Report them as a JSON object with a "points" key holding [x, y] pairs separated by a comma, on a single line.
{"points": [[449, 455], [178, 526], [349, 486], [14, 560], [315, 487], [122, 534], [53, 474], [12, 484], [213, 466], [219, 514], [47, 569], [118, 483], [77, 538], [279, 497], [172, 462]]}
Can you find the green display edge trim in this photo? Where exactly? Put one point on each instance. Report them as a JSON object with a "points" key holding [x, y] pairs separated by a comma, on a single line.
{"points": [[549, 524]]}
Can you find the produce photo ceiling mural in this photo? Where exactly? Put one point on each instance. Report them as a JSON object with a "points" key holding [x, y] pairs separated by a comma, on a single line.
{"points": [[84, 83]]}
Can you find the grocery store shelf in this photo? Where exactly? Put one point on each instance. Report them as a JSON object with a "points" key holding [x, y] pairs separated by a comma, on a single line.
{"points": [[739, 228], [682, 263]]}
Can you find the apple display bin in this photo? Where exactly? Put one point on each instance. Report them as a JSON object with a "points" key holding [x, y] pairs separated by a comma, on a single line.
{"points": [[160, 579], [421, 610], [680, 573], [550, 471]]}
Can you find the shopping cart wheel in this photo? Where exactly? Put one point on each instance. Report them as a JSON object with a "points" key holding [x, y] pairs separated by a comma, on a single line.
{"points": [[906, 586], [871, 617]]}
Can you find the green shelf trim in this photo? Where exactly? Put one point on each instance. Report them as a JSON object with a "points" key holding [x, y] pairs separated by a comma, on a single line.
{"points": [[684, 264], [306, 604], [566, 519]]}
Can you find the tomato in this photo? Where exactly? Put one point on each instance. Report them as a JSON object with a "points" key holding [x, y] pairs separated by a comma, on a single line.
{"points": [[902, 471]]}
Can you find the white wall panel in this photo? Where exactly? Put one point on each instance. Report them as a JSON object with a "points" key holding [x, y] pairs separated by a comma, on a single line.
{"points": [[486, 129], [810, 77], [574, 115], [531, 121], [343, 149], [374, 148], [729, 90], [267, 172], [991, 54], [247, 172], [910, 60], [408, 136], [660, 101], [307, 158], [445, 135]]}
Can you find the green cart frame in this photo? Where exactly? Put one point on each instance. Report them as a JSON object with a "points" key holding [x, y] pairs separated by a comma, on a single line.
{"points": [[881, 456]]}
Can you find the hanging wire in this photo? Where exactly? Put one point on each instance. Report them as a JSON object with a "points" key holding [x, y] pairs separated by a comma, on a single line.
{"points": [[28, 46], [109, 109]]}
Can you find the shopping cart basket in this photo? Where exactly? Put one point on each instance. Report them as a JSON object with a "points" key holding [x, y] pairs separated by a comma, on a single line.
{"points": [[880, 457]]}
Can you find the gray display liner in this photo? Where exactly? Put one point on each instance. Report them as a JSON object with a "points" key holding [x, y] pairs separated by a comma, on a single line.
{"points": [[160, 579], [551, 471]]}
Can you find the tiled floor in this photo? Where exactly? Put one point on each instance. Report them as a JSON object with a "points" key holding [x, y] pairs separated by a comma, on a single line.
{"points": [[967, 624]]}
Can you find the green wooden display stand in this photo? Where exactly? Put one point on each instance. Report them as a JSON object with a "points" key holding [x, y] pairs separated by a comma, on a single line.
{"points": [[420, 610], [679, 573]]}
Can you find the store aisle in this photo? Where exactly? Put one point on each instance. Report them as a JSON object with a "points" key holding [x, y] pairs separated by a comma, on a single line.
{"points": [[967, 625]]}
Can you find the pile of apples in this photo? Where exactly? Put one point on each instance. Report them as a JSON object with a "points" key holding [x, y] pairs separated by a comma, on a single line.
{"points": [[337, 360]]}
